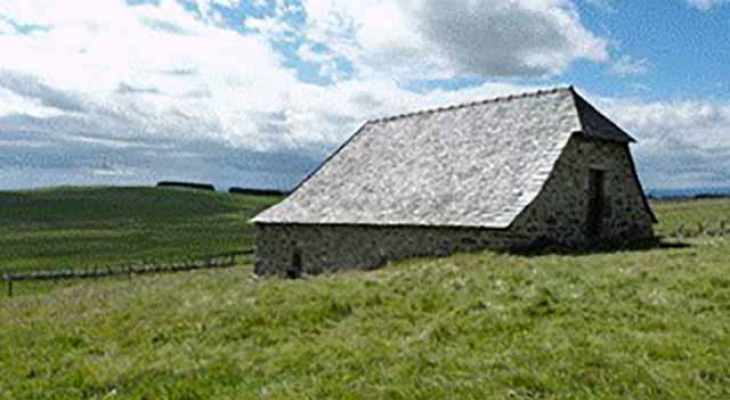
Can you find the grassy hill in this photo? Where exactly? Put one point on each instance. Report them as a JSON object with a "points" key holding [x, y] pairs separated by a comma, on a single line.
{"points": [[79, 227], [642, 324]]}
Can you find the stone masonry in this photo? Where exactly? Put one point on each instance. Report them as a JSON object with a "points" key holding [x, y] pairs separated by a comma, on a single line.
{"points": [[558, 215]]}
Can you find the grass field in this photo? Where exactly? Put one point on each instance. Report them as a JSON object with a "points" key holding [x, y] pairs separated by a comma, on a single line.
{"points": [[644, 324], [87, 227], [674, 213]]}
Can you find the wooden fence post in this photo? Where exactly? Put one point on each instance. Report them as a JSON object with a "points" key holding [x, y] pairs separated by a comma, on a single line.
{"points": [[717, 232]]}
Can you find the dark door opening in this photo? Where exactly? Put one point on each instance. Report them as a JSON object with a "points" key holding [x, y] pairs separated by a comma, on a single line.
{"points": [[595, 203], [295, 270]]}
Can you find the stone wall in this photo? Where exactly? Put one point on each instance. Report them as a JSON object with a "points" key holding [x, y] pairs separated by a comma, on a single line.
{"points": [[558, 214], [323, 248]]}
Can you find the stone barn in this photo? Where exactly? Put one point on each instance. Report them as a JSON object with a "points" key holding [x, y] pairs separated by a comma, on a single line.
{"points": [[504, 173]]}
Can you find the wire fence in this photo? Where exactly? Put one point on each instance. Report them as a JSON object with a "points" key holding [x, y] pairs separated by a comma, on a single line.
{"points": [[699, 229], [215, 261]]}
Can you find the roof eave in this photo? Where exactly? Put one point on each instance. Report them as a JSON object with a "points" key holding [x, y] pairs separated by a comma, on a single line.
{"points": [[495, 227]]}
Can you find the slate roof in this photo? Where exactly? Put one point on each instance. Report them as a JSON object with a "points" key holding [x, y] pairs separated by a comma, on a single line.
{"points": [[472, 165]]}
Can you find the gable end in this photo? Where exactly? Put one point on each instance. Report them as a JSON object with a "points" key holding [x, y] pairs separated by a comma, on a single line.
{"points": [[595, 124]]}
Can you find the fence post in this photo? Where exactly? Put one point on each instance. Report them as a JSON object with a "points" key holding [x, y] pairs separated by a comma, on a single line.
{"points": [[10, 288], [717, 232]]}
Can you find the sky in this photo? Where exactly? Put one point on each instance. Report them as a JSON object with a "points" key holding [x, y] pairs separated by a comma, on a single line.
{"points": [[257, 93]]}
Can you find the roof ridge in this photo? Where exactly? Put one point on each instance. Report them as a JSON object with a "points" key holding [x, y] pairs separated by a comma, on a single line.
{"points": [[511, 97]]}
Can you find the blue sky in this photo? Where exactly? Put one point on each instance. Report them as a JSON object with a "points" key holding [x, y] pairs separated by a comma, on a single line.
{"points": [[686, 50], [258, 92]]}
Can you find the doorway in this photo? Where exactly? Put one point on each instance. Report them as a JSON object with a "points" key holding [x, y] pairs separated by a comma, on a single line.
{"points": [[295, 270], [595, 202]]}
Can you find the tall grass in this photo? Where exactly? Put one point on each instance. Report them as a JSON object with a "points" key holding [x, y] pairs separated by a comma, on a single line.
{"points": [[651, 324]]}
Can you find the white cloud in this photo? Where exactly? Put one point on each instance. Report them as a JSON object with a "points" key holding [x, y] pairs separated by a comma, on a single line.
{"points": [[109, 91], [108, 77], [682, 144], [206, 7], [109, 45], [13, 103], [507, 38], [6, 28], [160, 71], [706, 4], [444, 38], [630, 66]]}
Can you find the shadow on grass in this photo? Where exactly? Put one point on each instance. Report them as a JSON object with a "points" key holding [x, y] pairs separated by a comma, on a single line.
{"points": [[599, 247]]}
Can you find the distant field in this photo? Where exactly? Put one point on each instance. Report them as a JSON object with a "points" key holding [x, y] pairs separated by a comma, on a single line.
{"points": [[673, 213], [79, 227], [86, 227]]}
